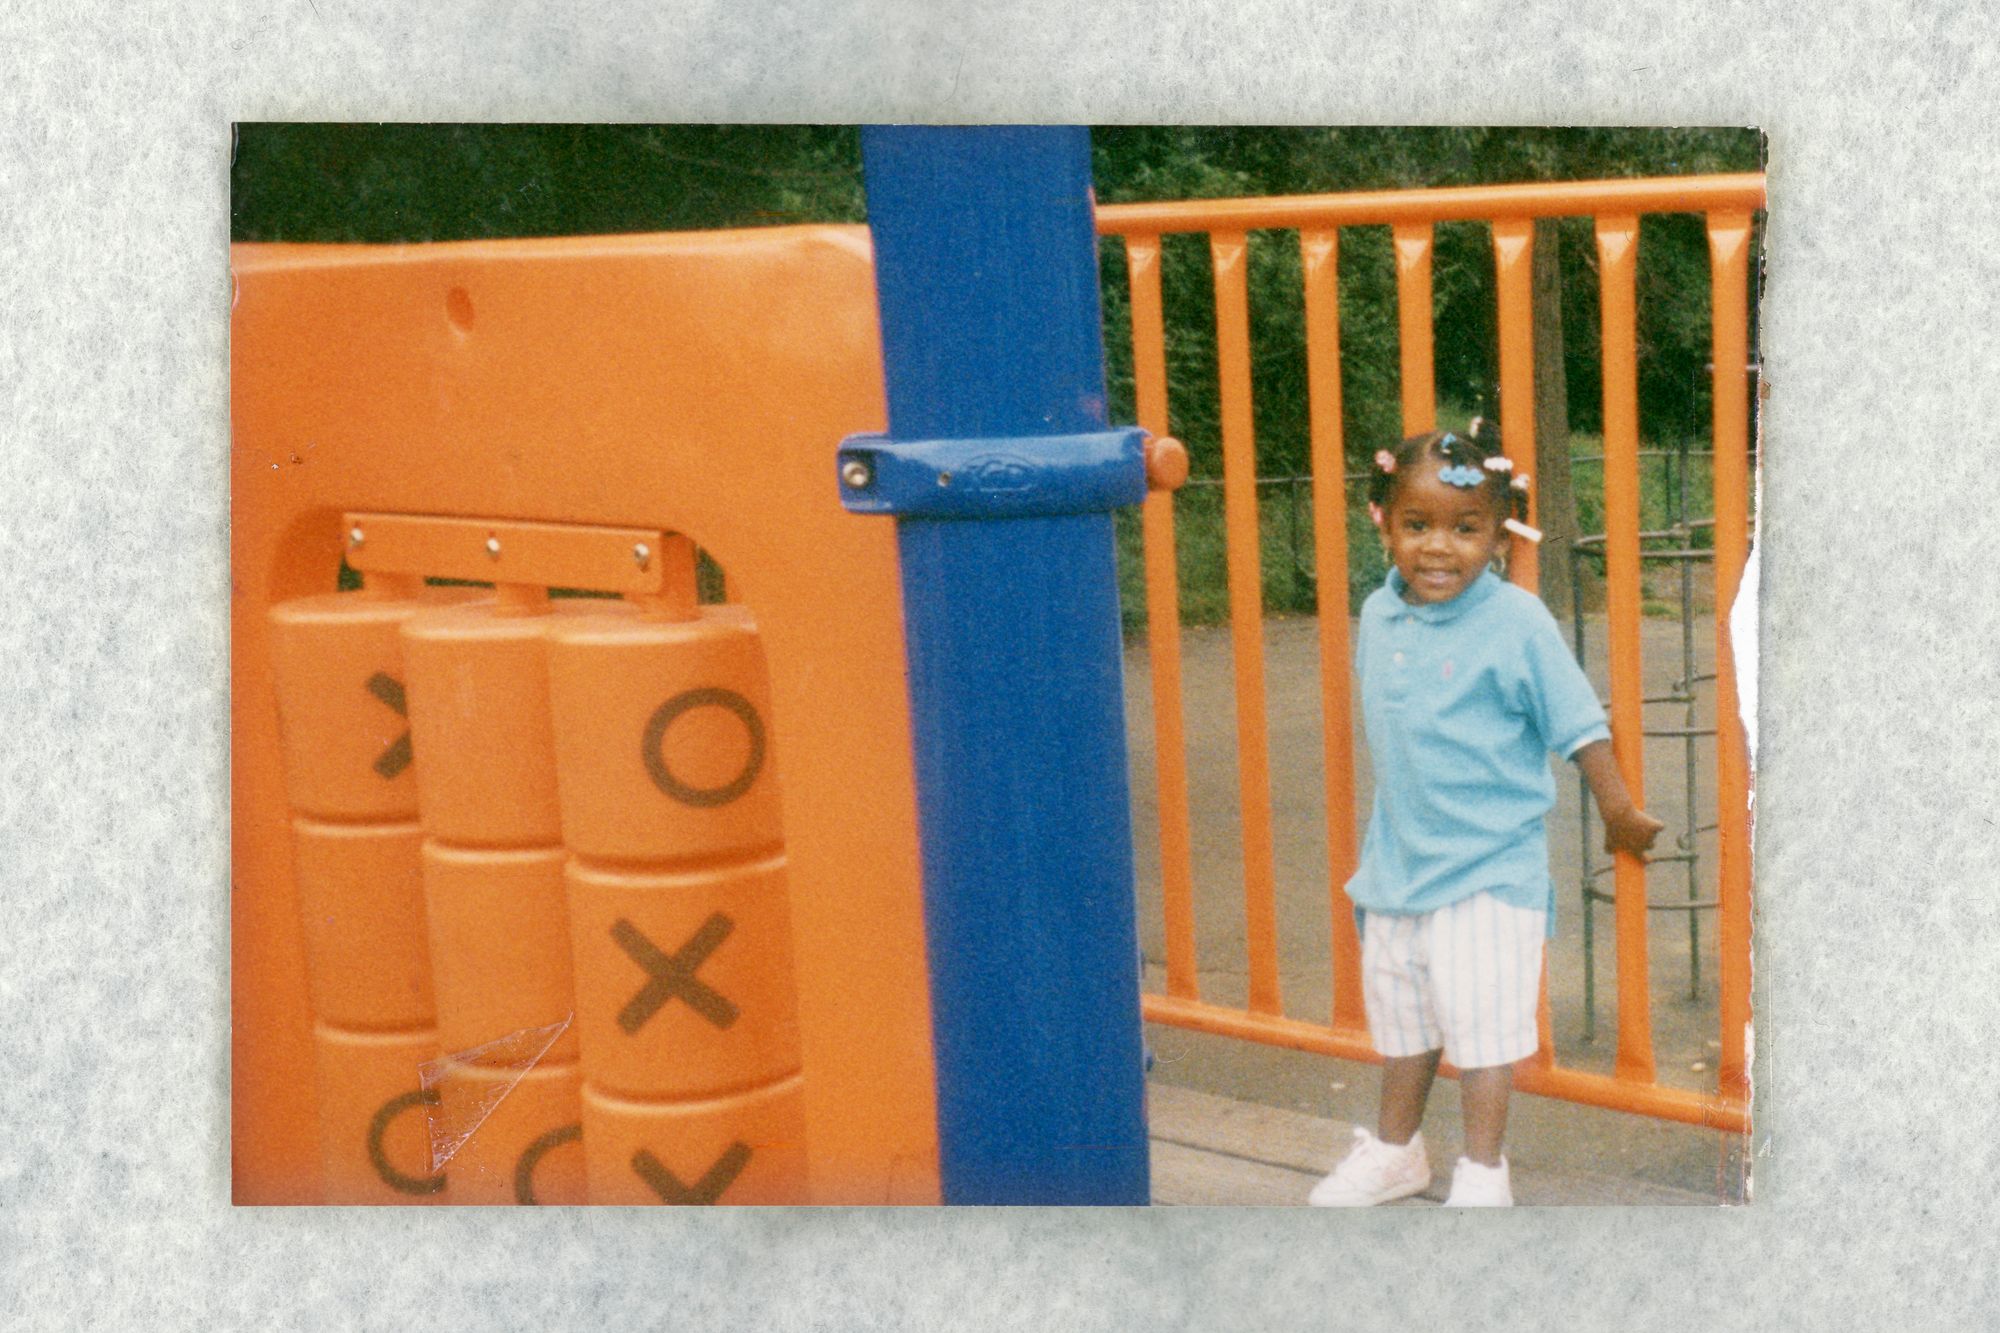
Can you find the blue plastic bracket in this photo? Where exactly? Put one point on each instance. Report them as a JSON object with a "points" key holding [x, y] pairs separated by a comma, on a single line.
{"points": [[999, 477]]}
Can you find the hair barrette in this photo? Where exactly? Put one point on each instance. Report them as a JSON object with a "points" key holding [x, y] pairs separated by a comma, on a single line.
{"points": [[1499, 463], [1520, 529], [1520, 483], [1467, 477], [1385, 460]]}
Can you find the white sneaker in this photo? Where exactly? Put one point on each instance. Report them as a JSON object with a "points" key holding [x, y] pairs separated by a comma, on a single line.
{"points": [[1476, 1186], [1374, 1172]]}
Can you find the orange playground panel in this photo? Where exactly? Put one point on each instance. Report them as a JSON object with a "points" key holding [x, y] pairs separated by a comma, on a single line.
{"points": [[568, 413]]}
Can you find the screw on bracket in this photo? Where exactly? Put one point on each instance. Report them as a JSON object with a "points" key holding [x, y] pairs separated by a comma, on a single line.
{"points": [[857, 474]]}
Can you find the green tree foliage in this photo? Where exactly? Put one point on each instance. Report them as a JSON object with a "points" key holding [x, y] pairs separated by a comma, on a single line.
{"points": [[457, 182], [1153, 163]]}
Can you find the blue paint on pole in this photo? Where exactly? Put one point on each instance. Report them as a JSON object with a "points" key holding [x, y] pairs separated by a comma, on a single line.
{"points": [[986, 274]]}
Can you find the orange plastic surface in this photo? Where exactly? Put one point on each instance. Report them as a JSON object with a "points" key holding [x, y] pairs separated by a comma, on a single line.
{"points": [[499, 944], [1729, 252], [375, 1143], [663, 737], [1617, 262], [1163, 624], [1319, 255], [1533, 1076], [1541, 199], [1414, 313], [529, 1150], [1246, 616], [479, 712], [683, 979], [1514, 271], [744, 1148], [337, 667], [698, 384], [361, 901]]}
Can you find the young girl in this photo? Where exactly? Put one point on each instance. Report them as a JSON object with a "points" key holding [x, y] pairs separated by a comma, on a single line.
{"points": [[1466, 687]]}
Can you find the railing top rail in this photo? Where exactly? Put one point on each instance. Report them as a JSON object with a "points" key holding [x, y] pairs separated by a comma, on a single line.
{"points": [[1653, 194]]}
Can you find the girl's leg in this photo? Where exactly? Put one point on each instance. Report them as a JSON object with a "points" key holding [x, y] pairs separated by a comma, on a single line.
{"points": [[1406, 1086], [1483, 1099]]}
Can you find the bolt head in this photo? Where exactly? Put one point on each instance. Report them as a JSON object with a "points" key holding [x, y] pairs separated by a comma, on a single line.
{"points": [[354, 536], [493, 547], [641, 553], [857, 474]]}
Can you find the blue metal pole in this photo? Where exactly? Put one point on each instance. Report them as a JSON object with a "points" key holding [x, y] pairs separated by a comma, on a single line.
{"points": [[1002, 474]]}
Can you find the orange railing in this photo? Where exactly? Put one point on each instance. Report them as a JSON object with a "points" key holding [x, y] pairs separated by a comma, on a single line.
{"points": [[1728, 203]]}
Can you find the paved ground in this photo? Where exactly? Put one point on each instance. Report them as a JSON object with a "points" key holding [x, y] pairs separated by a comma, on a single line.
{"points": [[1209, 1150], [1544, 1134]]}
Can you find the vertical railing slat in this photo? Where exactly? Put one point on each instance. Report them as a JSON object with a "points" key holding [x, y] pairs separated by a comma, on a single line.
{"points": [[1319, 253], [1617, 252], [1513, 269], [1513, 261], [1230, 252], [1163, 625], [1413, 320], [1729, 248]]}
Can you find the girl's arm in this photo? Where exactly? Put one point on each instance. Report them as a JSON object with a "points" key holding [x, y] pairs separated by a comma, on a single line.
{"points": [[1627, 828]]}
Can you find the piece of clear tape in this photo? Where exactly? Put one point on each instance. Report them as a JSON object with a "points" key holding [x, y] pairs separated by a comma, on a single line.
{"points": [[469, 1085]]}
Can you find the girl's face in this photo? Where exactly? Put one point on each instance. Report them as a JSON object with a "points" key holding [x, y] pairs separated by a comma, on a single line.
{"points": [[1441, 537]]}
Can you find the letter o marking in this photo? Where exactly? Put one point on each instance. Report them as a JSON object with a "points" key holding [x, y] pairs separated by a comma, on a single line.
{"points": [[532, 1155], [664, 717], [379, 1126]]}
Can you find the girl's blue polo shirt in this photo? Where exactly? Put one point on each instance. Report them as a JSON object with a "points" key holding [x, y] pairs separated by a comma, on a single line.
{"points": [[1463, 702]]}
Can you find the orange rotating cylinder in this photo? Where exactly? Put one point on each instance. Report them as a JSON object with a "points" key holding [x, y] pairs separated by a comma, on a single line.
{"points": [[493, 854], [684, 977], [375, 1140], [686, 1008], [361, 898], [493, 885], [499, 943], [479, 711], [337, 668], [662, 737], [349, 760], [528, 1149], [742, 1148]]}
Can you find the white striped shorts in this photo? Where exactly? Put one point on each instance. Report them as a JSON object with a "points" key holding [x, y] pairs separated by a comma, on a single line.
{"points": [[1465, 977]]}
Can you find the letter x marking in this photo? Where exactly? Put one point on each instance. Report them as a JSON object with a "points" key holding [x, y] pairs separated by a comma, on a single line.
{"points": [[673, 974], [706, 1190], [390, 691]]}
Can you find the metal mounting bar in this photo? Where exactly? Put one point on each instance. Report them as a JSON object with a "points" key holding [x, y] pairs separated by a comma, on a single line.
{"points": [[994, 477], [550, 555]]}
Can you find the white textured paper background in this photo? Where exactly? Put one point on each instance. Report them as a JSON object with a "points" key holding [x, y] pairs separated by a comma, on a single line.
{"points": [[1878, 884]]}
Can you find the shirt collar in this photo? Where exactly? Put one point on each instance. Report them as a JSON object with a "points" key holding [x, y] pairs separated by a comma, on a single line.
{"points": [[1437, 613]]}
